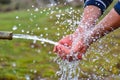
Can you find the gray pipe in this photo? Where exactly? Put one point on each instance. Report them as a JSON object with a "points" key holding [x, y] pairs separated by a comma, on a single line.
{"points": [[6, 35]]}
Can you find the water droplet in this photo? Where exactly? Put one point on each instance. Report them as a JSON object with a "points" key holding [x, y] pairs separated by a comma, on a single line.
{"points": [[19, 24], [41, 35], [34, 41], [44, 45], [46, 28], [31, 14], [14, 28], [35, 71], [46, 34], [14, 64], [27, 31], [49, 52], [38, 50], [36, 10], [17, 17], [44, 10], [28, 10], [32, 46], [33, 6], [34, 61], [31, 19], [38, 28], [36, 25], [42, 42], [58, 34], [51, 17], [1, 59], [22, 30], [58, 15], [41, 12], [27, 77], [34, 16]]}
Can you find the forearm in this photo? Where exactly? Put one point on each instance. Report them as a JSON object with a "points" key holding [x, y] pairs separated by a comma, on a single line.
{"points": [[90, 16], [92, 11], [105, 26]]}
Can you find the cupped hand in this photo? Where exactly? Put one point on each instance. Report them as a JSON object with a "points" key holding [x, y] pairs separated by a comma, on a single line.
{"points": [[72, 46], [64, 46]]}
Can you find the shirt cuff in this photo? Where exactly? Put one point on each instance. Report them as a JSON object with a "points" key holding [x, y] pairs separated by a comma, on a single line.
{"points": [[117, 7], [102, 4]]}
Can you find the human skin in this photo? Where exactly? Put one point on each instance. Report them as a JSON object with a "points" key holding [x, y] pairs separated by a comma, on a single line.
{"points": [[79, 41], [89, 18], [108, 24]]}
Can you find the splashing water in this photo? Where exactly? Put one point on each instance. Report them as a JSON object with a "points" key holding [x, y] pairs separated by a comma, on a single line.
{"points": [[97, 63], [23, 36], [68, 70]]}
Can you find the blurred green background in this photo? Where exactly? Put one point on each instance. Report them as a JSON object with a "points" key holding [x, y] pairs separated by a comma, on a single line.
{"points": [[32, 60]]}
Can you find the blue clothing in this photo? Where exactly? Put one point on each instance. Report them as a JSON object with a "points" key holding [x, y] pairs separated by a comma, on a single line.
{"points": [[117, 7], [103, 4]]}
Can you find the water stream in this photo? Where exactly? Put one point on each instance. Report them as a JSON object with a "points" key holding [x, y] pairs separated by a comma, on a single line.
{"points": [[24, 36], [68, 70], [97, 66]]}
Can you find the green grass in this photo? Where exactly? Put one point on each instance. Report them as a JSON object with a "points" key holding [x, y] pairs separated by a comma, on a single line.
{"points": [[18, 59]]}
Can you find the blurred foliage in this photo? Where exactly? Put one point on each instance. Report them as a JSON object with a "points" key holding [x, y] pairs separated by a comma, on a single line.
{"points": [[16, 4], [11, 5], [5, 1]]}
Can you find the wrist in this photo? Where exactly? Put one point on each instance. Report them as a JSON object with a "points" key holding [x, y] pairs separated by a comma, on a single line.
{"points": [[87, 33], [94, 35], [84, 27]]}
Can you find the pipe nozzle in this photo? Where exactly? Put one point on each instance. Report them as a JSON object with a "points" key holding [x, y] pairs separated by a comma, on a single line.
{"points": [[6, 35]]}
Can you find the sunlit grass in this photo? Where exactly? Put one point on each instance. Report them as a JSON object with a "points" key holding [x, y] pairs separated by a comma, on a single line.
{"points": [[18, 59]]}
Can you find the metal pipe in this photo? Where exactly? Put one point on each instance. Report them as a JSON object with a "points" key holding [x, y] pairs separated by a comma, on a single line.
{"points": [[6, 35]]}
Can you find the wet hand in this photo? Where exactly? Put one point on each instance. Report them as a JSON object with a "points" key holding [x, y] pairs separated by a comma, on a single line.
{"points": [[72, 47], [64, 46]]}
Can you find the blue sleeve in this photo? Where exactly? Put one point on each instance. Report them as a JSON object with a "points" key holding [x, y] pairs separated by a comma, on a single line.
{"points": [[102, 4], [117, 7]]}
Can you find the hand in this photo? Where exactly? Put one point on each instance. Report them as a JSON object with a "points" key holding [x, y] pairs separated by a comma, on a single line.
{"points": [[72, 46], [64, 46]]}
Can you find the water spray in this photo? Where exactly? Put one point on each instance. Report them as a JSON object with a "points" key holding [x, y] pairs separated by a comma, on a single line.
{"points": [[68, 70], [37, 38], [9, 36]]}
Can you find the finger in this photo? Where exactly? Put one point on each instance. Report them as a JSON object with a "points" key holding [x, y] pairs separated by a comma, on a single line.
{"points": [[79, 56], [63, 49], [66, 41], [54, 49], [63, 52], [68, 58], [63, 57], [82, 52], [57, 48]]}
